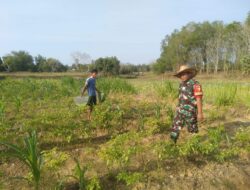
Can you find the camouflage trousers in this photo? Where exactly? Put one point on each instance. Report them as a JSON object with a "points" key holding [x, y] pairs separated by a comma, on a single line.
{"points": [[182, 119]]}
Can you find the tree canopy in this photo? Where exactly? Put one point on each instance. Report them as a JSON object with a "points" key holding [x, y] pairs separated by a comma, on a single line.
{"points": [[23, 61], [107, 65], [209, 46]]}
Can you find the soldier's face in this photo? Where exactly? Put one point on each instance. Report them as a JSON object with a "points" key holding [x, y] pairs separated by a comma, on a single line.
{"points": [[185, 76]]}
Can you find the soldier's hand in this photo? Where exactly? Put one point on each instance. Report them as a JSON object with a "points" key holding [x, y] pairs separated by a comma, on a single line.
{"points": [[200, 117]]}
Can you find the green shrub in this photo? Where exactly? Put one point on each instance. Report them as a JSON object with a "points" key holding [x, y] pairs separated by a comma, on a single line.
{"points": [[166, 150], [121, 149], [129, 178], [108, 116], [54, 159]]}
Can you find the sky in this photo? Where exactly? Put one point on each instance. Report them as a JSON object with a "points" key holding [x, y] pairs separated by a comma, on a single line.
{"points": [[131, 30]]}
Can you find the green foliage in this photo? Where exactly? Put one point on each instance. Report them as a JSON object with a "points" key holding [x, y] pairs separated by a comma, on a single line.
{"points": [[247, 21], [215, 135], [54, 159], [209, 46], [94, 184], [108, 116], [53, 65], [225, 95], [115, 85], [160, 66], [157, 111], [18, 102], [129, 178], [216, 146], [166, 89], [18, 61], [242, 138], [79, 175], [227, 154], [2, 68], [2, 109], [29, 155], [245, 62], [128, 69], [166, 150], [108, 65], [84, 183], [192, 147], [44, 64], [121, 149], [23, 61], [170, 113], [141, 117]]}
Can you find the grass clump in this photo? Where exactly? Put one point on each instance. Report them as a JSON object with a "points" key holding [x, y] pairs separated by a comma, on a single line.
{"points": [[225, 94], [115, 85], [166, 89]]}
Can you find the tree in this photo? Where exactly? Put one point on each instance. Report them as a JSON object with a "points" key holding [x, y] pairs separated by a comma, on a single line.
{"points": [[40, 62], [214, 48], [245, 61], [49, 65], [18, 61], [1, 65], [247, 22], [127, 69], [209, 46], [108, 65], [54, 65]]}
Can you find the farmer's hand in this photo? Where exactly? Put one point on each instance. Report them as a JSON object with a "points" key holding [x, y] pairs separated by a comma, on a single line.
{"points": [[200, 117]]}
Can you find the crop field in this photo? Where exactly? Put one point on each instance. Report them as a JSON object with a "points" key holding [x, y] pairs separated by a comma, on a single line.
{"points": [[47, 141]]}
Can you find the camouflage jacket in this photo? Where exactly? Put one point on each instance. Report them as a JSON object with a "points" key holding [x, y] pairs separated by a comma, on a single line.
{"points": [[188, 91]]}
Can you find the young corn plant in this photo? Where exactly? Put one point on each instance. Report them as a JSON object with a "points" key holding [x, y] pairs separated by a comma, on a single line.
{"points": [[158, 111], [83, 182], [29, 155], [79, 175], [18, 103], [2, 110], [141, 123]]}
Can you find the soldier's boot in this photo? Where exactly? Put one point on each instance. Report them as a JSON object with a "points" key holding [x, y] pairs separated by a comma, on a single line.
{"points": [[174, 136]]}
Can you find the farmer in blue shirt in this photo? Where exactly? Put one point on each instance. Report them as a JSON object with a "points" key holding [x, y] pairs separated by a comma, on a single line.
{"points": [[91, 88]]}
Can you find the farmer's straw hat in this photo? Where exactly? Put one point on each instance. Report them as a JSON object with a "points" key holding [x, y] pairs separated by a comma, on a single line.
{"points": [[184, 69]]}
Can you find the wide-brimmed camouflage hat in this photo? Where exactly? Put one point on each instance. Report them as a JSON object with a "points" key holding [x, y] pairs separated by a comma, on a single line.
{"points": [[184, 69]]}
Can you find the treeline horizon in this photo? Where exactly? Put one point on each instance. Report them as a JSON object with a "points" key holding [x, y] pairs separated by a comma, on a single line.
{"points": [[22, 61], [209, 46]]}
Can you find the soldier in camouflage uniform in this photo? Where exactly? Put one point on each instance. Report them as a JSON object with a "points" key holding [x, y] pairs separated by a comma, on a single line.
{"points": [[189, 109]]}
